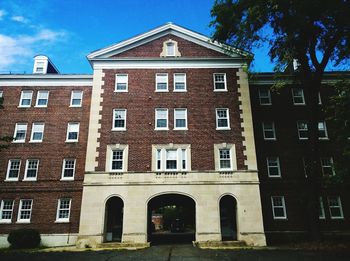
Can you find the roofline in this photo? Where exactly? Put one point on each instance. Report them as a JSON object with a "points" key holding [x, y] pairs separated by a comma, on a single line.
{"points": [[45, 76], [159, 29]]}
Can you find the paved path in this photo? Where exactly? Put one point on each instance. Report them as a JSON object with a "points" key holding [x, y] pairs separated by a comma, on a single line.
{"points": [[178, 252]]}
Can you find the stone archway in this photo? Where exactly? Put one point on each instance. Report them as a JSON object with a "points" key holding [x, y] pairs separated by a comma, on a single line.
{"points": [[114, 214], [171, 219], [228, 218]]}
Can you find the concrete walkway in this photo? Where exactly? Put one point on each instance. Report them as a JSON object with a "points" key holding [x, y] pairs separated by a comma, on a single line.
{"points": [[178, 252]]}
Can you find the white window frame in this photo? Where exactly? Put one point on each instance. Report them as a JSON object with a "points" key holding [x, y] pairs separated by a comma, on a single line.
{"points": [[27, 220], [225, 82], [109, 157], [72, 96], [339, 206], [268, 161], [183, 153], [264, 97], [327, 166], [233, 158], [16, 130], [9, 168], [304, 130], [175, 118], [322, 214], [167, 82], [46, 97], [68, 131], [34, 125], [22, 98], [228, 127], [167, 45], [1, 94], [294, 96], [325, 130], [185, 82], [63, 220], [230, 159], [273, 130], [126, 82], [64, 168], [2, 204], [283, 207], [26, 178], [113, 123], [156, 118]]}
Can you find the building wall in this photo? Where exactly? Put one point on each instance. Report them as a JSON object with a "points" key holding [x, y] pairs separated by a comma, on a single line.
{"points": [[48, 187]]}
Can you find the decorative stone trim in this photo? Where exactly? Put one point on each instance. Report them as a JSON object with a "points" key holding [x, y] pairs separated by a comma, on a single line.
{"points": [[246, 120], [164, 51]]}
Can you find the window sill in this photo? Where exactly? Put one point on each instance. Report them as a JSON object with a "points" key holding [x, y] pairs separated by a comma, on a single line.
{"points": [[71, 141], [179, 90], [23, 222], [38, 106], [5, 221], [299, 104], [324, 138], [280, 218], [62, 221], [118, 129], [23, 107], [158, 129], [181, 129], [274, 139], [67, 179], [220, 90], [275, 177], [120, 90], [16, 141], [35, 141], [30, 180], [303, 138], [75, 106], [337, 218], [265, 104], [226, 128], [10, 180], [161, 91]]}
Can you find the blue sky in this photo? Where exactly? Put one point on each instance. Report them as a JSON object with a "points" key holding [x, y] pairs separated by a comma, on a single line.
{"points": [[68, 30]]}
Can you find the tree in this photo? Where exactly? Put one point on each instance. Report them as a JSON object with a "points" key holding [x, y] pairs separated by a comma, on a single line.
{"points": [[314, 32]]}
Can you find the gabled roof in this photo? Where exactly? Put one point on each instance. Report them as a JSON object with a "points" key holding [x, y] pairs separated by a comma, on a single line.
{"points": [[168, 28]]}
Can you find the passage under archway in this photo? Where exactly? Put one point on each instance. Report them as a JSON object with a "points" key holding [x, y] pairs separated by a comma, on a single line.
{"points": [[228, 218], [114, 220], [171, 219]]}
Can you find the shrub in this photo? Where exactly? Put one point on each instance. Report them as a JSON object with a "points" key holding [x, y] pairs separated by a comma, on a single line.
{"points": [[24, 238]]}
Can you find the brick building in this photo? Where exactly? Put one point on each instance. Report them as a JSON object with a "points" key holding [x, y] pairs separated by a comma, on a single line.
{"points": [[164, 120]]}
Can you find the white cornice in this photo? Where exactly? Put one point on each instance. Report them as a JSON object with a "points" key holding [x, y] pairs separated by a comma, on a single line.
{"points": [[45, 80], [158, 32]]}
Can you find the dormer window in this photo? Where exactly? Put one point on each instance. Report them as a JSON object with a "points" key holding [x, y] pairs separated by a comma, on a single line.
{"points": [[170, 49]]}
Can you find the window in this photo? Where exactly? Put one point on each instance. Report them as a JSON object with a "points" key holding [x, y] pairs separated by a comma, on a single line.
{"points": [[25, 210], [37, 132], [20, 132], [302, 130], [180, 119], [298, 96], [220, 82], [322, 130], [222, 119], [39, 67], [327, 166], [63, 210], [31, 171], [306, 165], [335, 208], [264, 96], [319, 99], [121, 82], [170, 49], [13, 168], [119, 119], [72, 132], [1, 94], [171, 158], [26, 99], [180, 82], [269, 130], [76, 98], [278, 207], [321, 210], [6, 210], [117, 160], [225, 159], [68, 169], [42, 99], [161, 82], [273, 167], [161, 119]]}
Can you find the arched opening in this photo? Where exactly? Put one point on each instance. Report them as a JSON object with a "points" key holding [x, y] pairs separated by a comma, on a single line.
{"points": [[228, 213], [171, 219], [114, 220]]}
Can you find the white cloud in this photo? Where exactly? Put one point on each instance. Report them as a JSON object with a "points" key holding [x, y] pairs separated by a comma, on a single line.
{"points": [[20, 19], [17, 49], [2, 14]]}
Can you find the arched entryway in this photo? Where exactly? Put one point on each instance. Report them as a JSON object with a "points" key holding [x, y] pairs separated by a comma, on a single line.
{"points": [[171, 219], [114, 220], [228, 218]]}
